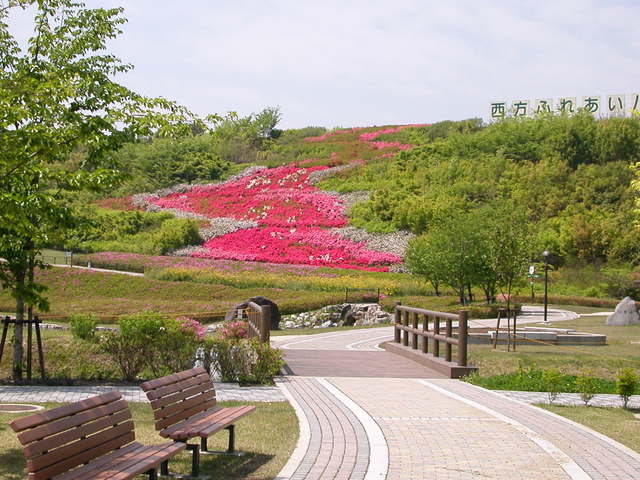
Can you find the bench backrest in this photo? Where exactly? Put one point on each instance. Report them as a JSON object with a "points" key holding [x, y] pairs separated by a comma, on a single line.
{"points": [[57, 440], [179, 396]]}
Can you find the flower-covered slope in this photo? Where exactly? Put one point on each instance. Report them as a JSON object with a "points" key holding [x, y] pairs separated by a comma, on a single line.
{"points": [[280, 215]]}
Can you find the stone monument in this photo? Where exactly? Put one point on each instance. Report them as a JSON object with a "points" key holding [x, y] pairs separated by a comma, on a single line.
{"points": [[626, 313]]}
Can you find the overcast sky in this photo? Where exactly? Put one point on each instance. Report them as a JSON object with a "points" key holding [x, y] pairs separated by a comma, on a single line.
{"points": [[351, 62]]}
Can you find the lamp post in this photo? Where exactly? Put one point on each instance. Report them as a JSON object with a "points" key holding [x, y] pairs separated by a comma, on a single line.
{"points": [[545, 255]]}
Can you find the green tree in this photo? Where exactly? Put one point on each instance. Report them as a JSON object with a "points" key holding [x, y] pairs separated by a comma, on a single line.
{"points": [[451, 254], [508, 247], [58, 98], [421, 258]]}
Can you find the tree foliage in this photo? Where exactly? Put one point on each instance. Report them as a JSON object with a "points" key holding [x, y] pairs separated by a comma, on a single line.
{"points": [[570, 176], [58, 98], [487, 248]]}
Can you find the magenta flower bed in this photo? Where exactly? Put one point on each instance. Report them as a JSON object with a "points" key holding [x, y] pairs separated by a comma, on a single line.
{"points": [[291, 214], [278, 197], [311, 246]]}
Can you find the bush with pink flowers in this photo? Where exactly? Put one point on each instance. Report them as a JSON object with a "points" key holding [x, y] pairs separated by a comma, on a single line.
{"points": [[234, 330]]}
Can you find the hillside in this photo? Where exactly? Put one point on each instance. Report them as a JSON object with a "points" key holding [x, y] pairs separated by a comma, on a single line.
{"points": [[353, 198]]}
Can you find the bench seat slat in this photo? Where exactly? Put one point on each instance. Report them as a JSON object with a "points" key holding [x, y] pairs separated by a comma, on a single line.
{"points": [[175, 408], [173, 378], [150, 458], [184, 414], [230, 420], [179, 386], [88, 455], [213, 420], [61, 424], [37, 419], [68, 453], [125, 463], [166, 432], [194, 428], [102, 462], [49, 443], [181, 395]]}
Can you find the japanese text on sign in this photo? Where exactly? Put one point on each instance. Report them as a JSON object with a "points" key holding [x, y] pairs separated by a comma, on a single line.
{"points": [[609, 106]]}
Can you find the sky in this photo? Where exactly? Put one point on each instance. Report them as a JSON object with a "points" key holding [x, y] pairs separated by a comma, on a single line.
{"points": [[357, 63]]}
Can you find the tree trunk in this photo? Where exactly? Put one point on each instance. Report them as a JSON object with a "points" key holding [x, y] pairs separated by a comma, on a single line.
{"points": [[18, 350], [436, 287]]}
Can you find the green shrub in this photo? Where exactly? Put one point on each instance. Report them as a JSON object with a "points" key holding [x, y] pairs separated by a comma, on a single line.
{"points": [[267, 365], [70, 359], [126, 352], [151, 342], [553, 380], [83, 327], [626, 384], [243, 361], [587, 387], [530, 379]]}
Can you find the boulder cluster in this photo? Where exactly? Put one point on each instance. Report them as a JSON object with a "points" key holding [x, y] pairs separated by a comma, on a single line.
{"points": [[343, 314]]}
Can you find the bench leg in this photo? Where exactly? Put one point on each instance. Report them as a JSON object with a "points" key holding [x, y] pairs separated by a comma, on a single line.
{"points": [[153, 474], [231, 450], [195, 466], [195, 459]]}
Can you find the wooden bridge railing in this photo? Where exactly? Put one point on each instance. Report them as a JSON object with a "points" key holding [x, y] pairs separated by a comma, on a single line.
{"points": [[259, 320], [412, 324]]}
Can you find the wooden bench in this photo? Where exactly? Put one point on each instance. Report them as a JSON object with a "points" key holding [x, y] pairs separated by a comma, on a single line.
{"points": [[91, 439], [184, 407]]}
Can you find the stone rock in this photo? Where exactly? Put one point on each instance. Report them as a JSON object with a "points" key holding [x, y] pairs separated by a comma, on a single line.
{"points": [[626, 313], [326, 324], [290, 324], [275, 312]]}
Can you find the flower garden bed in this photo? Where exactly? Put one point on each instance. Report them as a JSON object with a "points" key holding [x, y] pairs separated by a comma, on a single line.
{"points": [[278, 215]]}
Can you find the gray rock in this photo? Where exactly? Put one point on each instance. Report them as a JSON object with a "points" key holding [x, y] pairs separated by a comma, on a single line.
{"points": [[626, 313]]}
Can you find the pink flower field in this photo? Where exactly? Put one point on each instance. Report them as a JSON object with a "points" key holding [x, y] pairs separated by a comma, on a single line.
{"points": [[292, 214]]}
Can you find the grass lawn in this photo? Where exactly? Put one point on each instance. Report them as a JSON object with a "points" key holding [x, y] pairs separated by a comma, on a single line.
{"points": [[108, 294], [268, 437], [599, 361], [616, 423]]}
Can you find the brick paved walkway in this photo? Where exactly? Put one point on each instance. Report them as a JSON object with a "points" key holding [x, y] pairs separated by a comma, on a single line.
{"points": [[599, 457], [344, 363], [338, 446], [431, 436]]}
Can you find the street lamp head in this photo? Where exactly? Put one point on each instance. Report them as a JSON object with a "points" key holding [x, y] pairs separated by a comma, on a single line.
{"points": [[546, 254]]}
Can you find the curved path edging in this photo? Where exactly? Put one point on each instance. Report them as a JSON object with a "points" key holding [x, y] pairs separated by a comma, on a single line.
{"points": [[304, 435], [338, 439], [379, 452]]}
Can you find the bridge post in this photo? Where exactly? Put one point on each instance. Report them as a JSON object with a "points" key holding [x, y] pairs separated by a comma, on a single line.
{"points": [[396, 330], [462, 337]]}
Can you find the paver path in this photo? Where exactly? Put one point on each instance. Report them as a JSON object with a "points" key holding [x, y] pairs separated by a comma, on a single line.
{"points": [[420, 426], [432, 436], [341, 363]]}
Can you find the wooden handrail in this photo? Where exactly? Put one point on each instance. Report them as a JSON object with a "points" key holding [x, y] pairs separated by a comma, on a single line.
{"points": [[259, 320], [406, 327]]}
